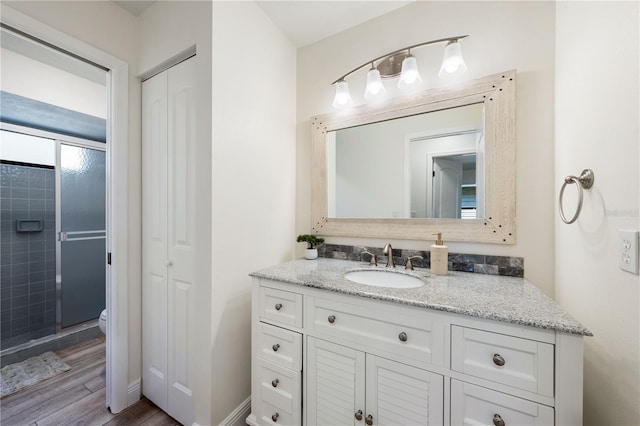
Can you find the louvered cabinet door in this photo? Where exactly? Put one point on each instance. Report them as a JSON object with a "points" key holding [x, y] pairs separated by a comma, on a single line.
{"points": [[335, 384], [398, 394]]}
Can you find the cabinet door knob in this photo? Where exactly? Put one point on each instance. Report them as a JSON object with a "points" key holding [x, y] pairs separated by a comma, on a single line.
{"points": [[275, 417], [278, 306], [369, 420], [275, 383], [276, 347], [498, 360], [358, 415], [497, 420], [332, 319], [402, 336]]}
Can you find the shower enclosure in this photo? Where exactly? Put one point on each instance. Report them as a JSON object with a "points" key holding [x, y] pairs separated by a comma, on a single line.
{"points": [[81, 221], [53, 239]]}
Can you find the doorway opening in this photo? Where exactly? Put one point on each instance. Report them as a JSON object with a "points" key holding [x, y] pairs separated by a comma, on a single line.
{"points": [[120, 393], [53, 209]]}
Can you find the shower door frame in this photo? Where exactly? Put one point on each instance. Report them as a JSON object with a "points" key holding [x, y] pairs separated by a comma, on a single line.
{"points": [[120, 391], [60, 238]]}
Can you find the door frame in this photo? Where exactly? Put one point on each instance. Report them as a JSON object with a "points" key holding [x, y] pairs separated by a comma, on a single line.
{"points": [[117, 388], [431, 158], [429, 134]]}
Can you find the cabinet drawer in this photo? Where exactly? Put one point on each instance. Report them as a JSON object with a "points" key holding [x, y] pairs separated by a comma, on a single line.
{"points": [[281, 307], [280, 388], [269, 415], [475, 405], [520, 363], [280, 346], [394, 333]]}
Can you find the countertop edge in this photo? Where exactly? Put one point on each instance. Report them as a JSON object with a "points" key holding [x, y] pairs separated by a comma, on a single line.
{"points": [[575, 329]]}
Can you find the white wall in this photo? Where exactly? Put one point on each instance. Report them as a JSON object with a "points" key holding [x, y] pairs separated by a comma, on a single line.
{"points": [[254, 109], [32, 79], [27, 149], [111, 29], [597, 127], [503, 36]]}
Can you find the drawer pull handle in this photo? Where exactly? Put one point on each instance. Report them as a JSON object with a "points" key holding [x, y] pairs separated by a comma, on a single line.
{"points": [[358, 415], [332, 319], [278, 306], [275, 383], [498, 360], [275, 417], [497, 420], [402, 336], [369, 420], [276, 347]]}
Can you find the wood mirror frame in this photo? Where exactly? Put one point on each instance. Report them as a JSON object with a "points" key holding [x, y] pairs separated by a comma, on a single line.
{"points": [[498, 93]]}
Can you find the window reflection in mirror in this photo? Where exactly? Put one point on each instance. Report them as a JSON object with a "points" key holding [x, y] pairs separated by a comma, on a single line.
{"points": [[424, 166]]}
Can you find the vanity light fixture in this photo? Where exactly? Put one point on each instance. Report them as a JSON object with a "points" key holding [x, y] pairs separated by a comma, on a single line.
{"points": [[375, 89], [399, 63]]}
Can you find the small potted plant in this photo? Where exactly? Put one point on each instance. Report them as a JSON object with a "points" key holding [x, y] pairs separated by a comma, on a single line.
{"points": [[312, 241]]}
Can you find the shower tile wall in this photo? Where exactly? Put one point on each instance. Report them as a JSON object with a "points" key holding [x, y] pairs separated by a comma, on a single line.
{"points": [[27, 259]]}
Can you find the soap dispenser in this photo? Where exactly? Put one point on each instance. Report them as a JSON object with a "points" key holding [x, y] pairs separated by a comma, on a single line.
{"points": [[439, 257]]}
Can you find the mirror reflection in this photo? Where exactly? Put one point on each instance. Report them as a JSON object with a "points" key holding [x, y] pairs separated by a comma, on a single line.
{"points": [[428, 165]]}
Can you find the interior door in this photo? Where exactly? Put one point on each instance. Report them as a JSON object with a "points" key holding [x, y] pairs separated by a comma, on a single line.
{"points": [[82, 233], [169, 232], [181, 222], [154, 240], [447, 187]]}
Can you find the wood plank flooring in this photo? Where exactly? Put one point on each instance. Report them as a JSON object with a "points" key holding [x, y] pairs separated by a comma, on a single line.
{"points": [[76, 397]]}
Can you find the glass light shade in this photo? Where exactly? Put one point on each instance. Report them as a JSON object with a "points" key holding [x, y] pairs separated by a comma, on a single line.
{"points": [[375, 89], [343, 97], [409, 76], [453, 62]]}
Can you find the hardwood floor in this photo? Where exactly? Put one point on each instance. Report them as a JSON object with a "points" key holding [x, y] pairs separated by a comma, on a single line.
{"points": [[76, 397]]}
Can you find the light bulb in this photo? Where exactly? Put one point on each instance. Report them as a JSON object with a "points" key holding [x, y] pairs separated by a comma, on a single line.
{"points": [[453, 62], [375, 89], [343, 97], [409, 76]]}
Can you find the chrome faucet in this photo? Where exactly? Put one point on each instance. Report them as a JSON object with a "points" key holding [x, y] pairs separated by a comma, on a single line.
{"points": [[409, 264], [388, 251], [373, 260]]}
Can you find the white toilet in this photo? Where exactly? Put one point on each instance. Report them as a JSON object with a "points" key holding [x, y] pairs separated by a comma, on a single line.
{"points": [[102, 322]]}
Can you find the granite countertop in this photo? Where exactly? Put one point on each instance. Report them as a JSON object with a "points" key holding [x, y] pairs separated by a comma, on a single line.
{"points": [[508, 299]]}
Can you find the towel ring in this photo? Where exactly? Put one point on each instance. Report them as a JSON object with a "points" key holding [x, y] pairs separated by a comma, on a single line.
{"points": [[585, 180]]}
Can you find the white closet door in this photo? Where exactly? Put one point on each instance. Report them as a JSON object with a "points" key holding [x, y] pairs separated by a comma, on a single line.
{"points": [[169, 232], [182, 201], [154, 240]]}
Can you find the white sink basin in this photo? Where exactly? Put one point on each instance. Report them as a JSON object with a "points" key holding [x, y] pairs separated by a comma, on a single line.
{"points": [[384, 278]]}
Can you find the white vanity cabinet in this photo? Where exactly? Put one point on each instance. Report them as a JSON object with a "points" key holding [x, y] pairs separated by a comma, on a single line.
{"points": [[353, 360], [276, 388], [350, 387]]}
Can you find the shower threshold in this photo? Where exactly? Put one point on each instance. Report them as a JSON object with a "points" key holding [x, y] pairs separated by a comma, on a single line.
{"points": [[54, 342]]}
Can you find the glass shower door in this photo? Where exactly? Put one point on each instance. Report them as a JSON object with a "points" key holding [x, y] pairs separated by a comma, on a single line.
{"points": [[81, 277]]}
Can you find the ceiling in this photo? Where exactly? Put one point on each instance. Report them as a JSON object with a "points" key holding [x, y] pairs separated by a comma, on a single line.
{"points": [[306, 22], [135, 7]]}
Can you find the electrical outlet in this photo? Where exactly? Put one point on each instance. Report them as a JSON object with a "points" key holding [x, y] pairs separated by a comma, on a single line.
{"points": [[628, 254]]}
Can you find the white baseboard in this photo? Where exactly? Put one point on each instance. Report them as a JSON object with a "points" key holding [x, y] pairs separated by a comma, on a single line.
{"points": [[239, 415], [133, 392]]}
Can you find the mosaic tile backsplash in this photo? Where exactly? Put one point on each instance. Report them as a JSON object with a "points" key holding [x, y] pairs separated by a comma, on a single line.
{"points": [[476, 263]]}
